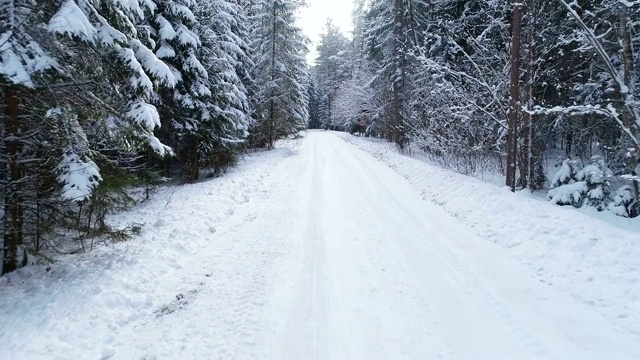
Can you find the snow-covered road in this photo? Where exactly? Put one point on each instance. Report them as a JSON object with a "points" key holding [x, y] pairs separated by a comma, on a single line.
{"points": [[336, 256]]}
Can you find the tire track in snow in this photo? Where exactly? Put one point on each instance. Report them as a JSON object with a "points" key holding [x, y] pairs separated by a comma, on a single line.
{"points": [[471, 286], [313, 321], [389, 282], [317, 296]]}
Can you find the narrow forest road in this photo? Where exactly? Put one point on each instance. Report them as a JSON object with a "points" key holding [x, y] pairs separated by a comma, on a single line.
{"points": [[338, 257], [342, 259]]}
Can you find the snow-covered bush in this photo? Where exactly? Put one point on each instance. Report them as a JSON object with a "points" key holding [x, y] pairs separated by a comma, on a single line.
{"points": [[568, 185], [624, 203], [569, 194], [567, 174], [597, 177], [577, 187]]}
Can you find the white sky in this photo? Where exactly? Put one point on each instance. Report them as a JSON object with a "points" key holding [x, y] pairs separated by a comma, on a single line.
{"points": [[314, 17]]}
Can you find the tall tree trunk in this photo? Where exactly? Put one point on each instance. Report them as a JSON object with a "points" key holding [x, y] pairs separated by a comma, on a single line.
{"points": [[13, 202], [627, 51], [189, 159], [271, 127], [514, 92], [272, 120], [531, 154], [630, 117], [399, 75]]}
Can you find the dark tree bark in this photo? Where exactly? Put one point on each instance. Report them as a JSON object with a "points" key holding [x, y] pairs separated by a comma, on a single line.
{"points": [[272, 120], [514, 92], [397, 128], [13, 202], [627, 58], [532, 151], [189, 159]]}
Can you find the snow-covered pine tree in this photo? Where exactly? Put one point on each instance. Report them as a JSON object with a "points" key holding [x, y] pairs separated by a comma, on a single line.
{"points": [[624, 203], [183, 108], [567, 174], [315, 101], [354, 100], [280, 71], [23, 61], [80, 63], [588, 186], [331, 67], [393, 32], [225, 55], [318, 104], [568, 186], [119, 119], [124, 62], [108, 130], [598, 178]]}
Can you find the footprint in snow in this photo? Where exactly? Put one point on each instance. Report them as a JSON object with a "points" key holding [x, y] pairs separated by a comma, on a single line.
{"points": [[180, 302]]}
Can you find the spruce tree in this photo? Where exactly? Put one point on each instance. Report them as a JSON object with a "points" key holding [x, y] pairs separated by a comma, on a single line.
{"points": [[49, 150], [280, 71], [183, 109], [225, 55], [394, 30]]}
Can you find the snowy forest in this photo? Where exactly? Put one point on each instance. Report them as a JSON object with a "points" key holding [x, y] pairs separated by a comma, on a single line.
{"points": [[100, 97], [104, 100], [544, 92]]}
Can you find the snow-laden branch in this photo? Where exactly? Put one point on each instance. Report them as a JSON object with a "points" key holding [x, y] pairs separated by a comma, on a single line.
{"points": [[608, 111], [430, 64], [627, 93], [594, 40]]}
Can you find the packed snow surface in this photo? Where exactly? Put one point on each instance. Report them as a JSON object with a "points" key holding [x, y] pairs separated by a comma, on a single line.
{"points": [[318, 250]]}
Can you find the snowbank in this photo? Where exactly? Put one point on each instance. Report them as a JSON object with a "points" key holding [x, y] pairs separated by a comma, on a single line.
{"points": [[589, 258], [44, 314]]}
